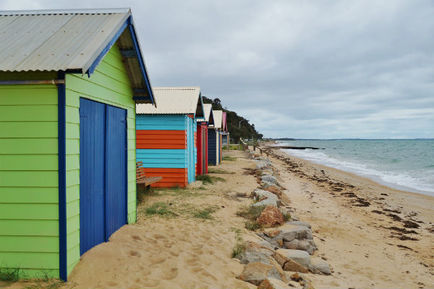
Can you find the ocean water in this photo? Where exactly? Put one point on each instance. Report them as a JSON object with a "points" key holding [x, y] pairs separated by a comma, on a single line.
{"points": [[401, 164]]}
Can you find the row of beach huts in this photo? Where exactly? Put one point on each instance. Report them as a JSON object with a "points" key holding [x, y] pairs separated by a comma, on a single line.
{"points": [[77, 113]]}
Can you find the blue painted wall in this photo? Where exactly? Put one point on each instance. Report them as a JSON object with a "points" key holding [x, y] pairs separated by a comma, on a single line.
{"points": [[161, 122]]}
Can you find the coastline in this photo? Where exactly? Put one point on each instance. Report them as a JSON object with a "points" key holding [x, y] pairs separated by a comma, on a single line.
{"points": [[369, 185], [375, 178], [374, 236]]}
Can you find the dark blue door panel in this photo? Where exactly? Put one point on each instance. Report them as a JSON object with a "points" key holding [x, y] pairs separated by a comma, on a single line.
{"points": [[116, 166], [103, 172], [92, 130], [212, 153]]}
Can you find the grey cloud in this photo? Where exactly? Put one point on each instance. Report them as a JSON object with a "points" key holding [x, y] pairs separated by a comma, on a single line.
{"points": [[308, 69]]}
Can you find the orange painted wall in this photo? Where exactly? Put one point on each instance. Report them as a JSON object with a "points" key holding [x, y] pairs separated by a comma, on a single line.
{"points": [[161, 139], [171, 177]]}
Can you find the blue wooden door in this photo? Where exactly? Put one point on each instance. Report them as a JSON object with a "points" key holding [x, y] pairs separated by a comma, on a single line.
{"points": [[103, 172], [92, 180], [116, 169], [212, 153]]}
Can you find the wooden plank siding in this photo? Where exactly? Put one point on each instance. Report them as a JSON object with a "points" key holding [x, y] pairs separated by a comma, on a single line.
{"points": [[165, 146], [108, 84], [29, 227]]}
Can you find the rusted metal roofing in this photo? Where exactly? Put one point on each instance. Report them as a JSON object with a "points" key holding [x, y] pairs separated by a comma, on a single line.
{"points": [[71, 41], [174, 100], [218, 117]]}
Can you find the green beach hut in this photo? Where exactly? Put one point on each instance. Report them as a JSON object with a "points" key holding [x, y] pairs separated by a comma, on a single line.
{"points": [[69, 82]]}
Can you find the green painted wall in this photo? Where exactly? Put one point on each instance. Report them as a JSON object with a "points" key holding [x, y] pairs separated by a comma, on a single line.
{"points": [[29, 227], [29, 239], [109, 84]]}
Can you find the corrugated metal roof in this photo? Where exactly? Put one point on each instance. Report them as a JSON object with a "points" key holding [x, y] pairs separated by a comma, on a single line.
{"points": [[207, 107], [70, 40], [174, 100], [218, 116], [56, 40]]}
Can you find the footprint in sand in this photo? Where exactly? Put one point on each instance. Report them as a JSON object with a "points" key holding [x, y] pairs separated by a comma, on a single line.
{"points": [[192, 261], [149, 283], [174, 253], [159, 236], [205, 273], [112, 284], [136, 238], [135, 254], [157, 260], [170, 274]]}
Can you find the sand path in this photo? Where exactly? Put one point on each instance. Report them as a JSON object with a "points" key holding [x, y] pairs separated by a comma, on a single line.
{"points": [[175, 252]]}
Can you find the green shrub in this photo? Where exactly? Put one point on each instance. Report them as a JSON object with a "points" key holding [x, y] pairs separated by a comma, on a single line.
{"points": [[9, 274], [229, 158], [206, 213], [251, 212], [161, 209], [207, 179], [252, 225]]}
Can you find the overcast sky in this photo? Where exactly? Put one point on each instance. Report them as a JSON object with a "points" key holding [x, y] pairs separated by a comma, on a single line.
{"points": [[306, 69]]}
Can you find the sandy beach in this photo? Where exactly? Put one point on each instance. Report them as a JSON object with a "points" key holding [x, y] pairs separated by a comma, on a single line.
{"points": [[372, 236]]}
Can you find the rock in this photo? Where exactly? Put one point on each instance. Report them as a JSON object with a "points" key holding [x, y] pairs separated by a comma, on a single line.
{"points": [[266, 184], [255, 252], [266, 202], [269, 179], [272, 283], [270, 217], [264, 194], [272, 233], [319, 266], [293, 284], [275, 190], [262, 163], [289, 264], [305, 245], [257, 272], [301, 257], [300, 223], [296, 277], [265, 244], [290, 233]]}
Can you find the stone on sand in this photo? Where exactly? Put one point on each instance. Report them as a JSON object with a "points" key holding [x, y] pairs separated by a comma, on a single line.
{"points": [[273, 283], [289, 264], [266, 202], [299, 256], [270, 217], [257, 272], [292, 232], [305, 245], [269, 179], [319, 266], [264, 194], [300, 223], [275, 190], [255, 252]]}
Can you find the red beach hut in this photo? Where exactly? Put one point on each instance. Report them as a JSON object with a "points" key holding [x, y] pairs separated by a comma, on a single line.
{"points": [[202, 139]]}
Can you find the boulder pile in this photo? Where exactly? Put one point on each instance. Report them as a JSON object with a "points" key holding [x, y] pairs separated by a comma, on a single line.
{"points": [[282, 255]]}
